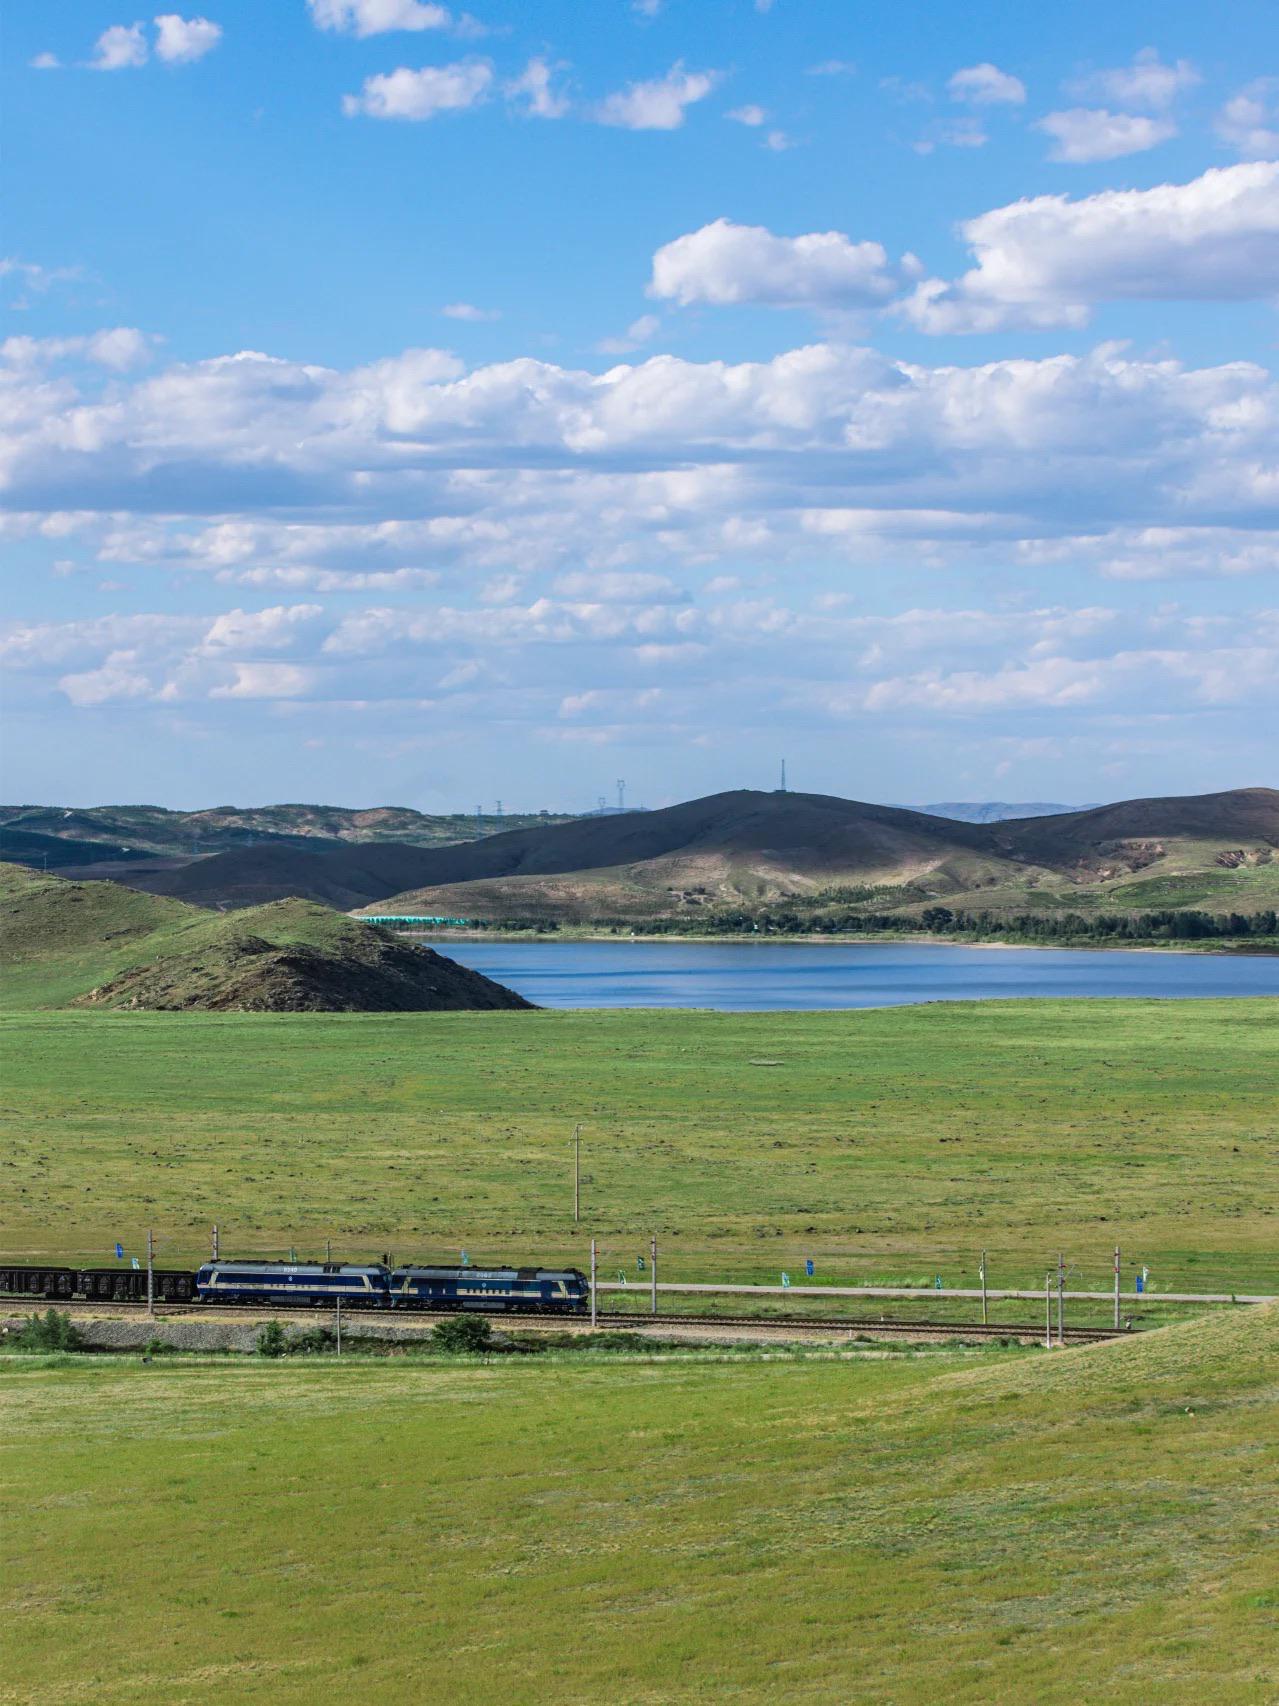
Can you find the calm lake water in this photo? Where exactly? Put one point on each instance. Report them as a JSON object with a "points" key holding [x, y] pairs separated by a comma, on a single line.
{"points": [[765, 976]]}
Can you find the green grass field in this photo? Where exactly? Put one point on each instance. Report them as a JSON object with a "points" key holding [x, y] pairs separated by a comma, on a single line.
{"points": [[1036, 1528], [890, 1145]]}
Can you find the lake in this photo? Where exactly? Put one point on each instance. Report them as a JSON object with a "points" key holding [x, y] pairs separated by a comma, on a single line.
{"points": [[767, 976]]}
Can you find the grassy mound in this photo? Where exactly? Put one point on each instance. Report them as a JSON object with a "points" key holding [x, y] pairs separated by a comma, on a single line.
{"points": [[103, 945]]}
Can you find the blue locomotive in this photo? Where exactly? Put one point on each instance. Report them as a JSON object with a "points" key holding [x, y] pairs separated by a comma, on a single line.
{"points": [[506, 1290], [294, 1282], [562, 1290]]}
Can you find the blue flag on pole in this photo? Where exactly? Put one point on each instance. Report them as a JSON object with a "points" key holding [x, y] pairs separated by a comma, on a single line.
{"points": [[119, 1252]]}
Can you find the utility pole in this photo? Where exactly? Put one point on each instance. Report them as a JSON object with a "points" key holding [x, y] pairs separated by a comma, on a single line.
{"points": [[1061, 1298], [150, 1272], [1048, 1311], [985, 1315], [577, 1174], [1116, 1287], [652, 1265], [594, 1306], [337, 1310], [215, 1240]]}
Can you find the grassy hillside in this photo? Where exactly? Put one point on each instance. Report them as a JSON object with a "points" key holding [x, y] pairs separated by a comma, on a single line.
{"points": [[892, 1144], [1091, 1524], [109, 946], [815, 855]]}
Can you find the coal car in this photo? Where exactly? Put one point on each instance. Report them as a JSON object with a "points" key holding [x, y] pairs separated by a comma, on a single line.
{"points": [[95, 1285]]}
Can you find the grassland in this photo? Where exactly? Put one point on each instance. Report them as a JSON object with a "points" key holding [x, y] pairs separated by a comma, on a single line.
{"points": [[1095, 1524], [889, 1145]]}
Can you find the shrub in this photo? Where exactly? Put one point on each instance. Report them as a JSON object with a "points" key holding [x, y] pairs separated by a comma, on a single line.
{"points": [[314, 1341], [463, 1333], [271, 1342], [50, 1332]]}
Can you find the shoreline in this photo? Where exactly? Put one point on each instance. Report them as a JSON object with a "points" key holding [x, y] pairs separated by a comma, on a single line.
{"points": [[576, 934]]}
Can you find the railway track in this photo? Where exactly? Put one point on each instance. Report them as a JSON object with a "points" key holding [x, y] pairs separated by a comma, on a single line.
{"points": [[605, 1317]]}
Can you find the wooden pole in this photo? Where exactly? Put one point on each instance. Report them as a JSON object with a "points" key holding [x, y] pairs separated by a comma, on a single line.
{"points": [[594, 1307], [337, 1302], [985, 1313], [150, 1272], [1116, 1287], [1048, 1311], [652, 1283], [1061, 1297]]}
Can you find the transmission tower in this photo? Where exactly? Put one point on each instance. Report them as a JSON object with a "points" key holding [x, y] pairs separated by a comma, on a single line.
{"points": [[782, 789], [621, 795]]}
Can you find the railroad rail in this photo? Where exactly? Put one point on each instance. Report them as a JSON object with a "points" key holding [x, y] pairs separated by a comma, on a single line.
{"points": [[604, 1317]]}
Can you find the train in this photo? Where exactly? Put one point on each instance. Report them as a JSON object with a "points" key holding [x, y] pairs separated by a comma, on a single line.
{"points": [[374, 1285]]}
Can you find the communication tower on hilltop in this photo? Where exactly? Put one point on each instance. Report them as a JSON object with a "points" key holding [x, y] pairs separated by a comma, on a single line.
{"points": [[782, 788]]}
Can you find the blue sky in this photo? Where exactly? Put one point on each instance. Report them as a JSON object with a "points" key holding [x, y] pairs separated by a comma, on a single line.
{"points": [[406, 404]]}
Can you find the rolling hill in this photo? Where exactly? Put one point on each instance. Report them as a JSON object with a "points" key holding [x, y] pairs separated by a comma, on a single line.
{"points": [[747, 849], [104, 945]]}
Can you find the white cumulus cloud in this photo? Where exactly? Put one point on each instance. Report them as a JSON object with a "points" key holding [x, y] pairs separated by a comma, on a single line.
{"points": [[659, 104], [535, 91], [180, 40], [1082, 135], [119, 48], [1249, 121], [424, 94], [1147, 82], [1046, 261], [378, 17], [986, 85], [726, 263]]}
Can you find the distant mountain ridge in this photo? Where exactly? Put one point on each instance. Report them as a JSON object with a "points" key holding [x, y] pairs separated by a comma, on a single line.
{"points": [[998, 811], [74, 836], [747, 849]]}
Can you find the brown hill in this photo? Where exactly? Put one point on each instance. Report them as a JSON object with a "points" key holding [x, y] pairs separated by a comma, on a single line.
{"points": [[754, 842], [744, 850]]}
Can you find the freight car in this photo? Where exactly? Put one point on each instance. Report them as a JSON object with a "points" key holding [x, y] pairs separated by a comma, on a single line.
{"points": [[95, 1285]]}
